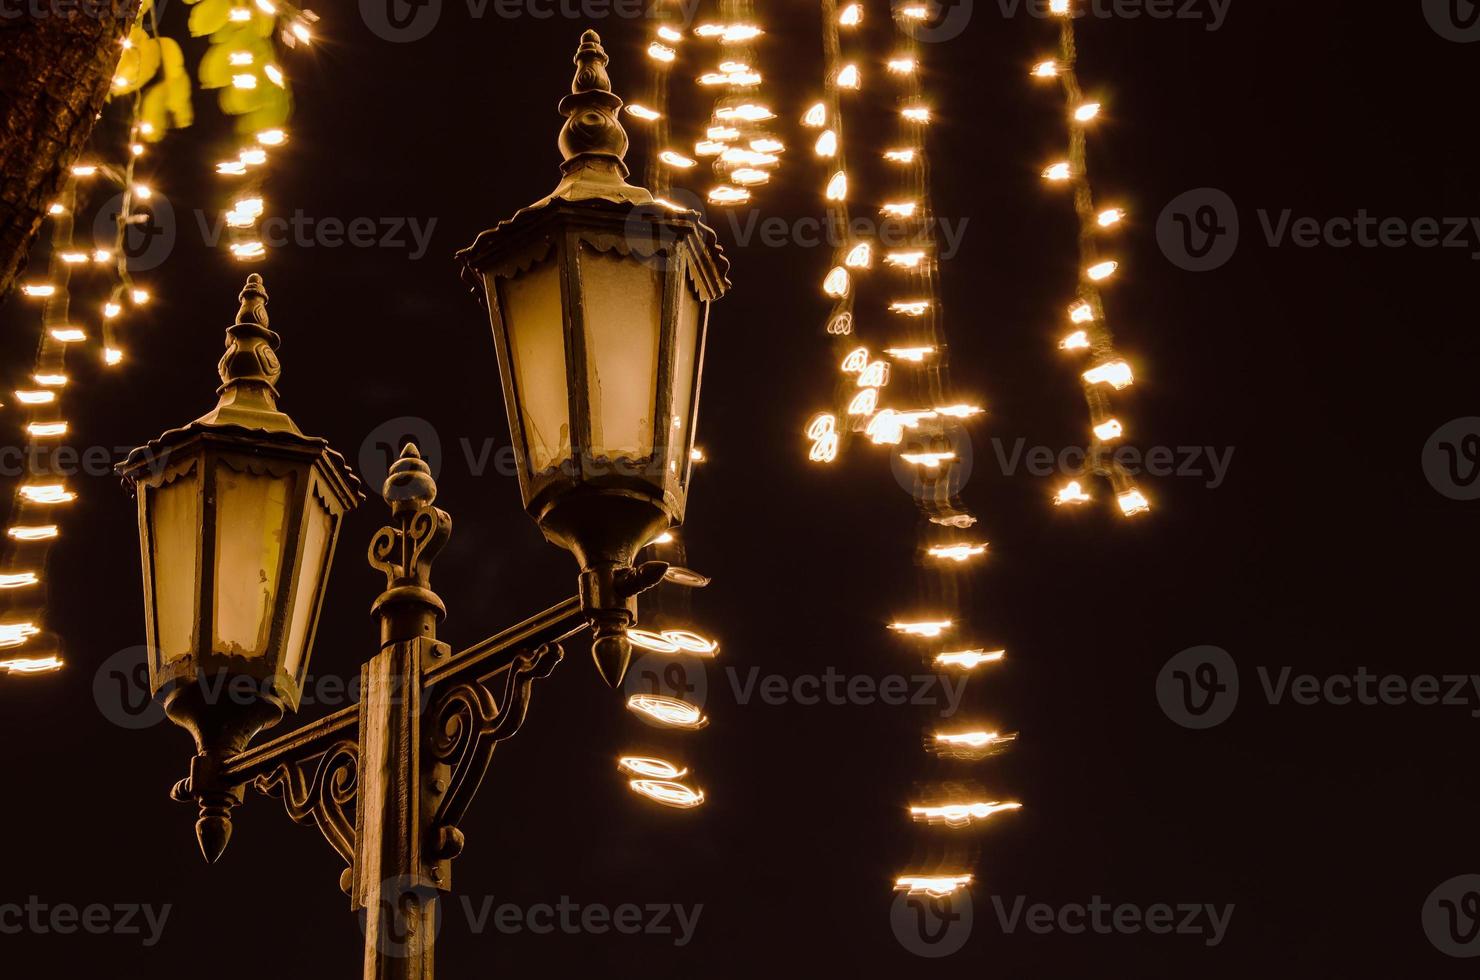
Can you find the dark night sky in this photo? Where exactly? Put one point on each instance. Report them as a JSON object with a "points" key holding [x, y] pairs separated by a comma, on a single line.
{"points": [[1325, 549]]}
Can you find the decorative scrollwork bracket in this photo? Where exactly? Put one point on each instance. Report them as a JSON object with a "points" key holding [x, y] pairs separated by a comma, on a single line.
{"points": [[317, 792]]}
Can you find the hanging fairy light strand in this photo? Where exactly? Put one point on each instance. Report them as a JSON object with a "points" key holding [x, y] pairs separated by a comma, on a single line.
{"points": [[739, 140], [1087, 337]]}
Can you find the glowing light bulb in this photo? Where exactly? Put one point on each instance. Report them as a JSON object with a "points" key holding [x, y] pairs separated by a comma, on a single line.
{"points": [[1081, 313], [35, 397], [930, 461], [667, 711], [851, 16], [960, 411], [1132, 502], [272, 137], [725, 194], [253, 157], [876, 375], [72, 258], [1111, 429], [244, 81], [242, 216], [691, 643], [47, 493], [936, 886], [102, 255], [708, 148], [661, 52], [747, 112], [55, 208], [739, 33], [1057, 171], [139, 296], [17, 580], [1110, 217], [112, 356], [900, 66], [826, 145], [232, 168], [884, 429], [860, 256], [38, 290], [722, 133], [914, 355], [248, 250], [143, 192], [111, 310], [956, 552], [836, 282], [31, 665], [899, 209], [1046, 69], [648, 767], [67, 335], [267, 7], [912, 307], [969, 659], [1116, 374], [960, 814], [815, 116], [905, 155], [14, 634], [848, 77], [84, 170], [914, 11], [904, 260], [50, 380], [668, 793], [650, 641], [45, 430], [1058, 6], [1087, 112], [239, 59], [696, 455], [971, 740], [1102, 270], [823, 431], [239, 15], [643, 112], [749, 176], [766, 144], [669, 34], [841, 324], [1070, 493], [855, 361], [837, 187], [916, 113], [32, 532], [137, 149], [865, 403], [925, 629], [301, 31]]}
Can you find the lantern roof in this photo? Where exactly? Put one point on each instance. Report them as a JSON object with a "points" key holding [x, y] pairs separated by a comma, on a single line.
{"points": [[594, 179], [246, 411]]}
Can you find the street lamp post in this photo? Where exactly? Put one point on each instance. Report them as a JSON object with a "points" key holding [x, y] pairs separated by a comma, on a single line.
{"points": [[598, 298]]}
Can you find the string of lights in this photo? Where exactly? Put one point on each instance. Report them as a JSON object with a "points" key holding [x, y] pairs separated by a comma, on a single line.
{"points": [[1089, 337], [738, 141]]}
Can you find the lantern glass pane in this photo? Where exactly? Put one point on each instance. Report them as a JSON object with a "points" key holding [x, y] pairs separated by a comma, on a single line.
{"points": [[318, 527], [685, 354], [251, 517], [174, 530], [622, 308], [535, 322]]}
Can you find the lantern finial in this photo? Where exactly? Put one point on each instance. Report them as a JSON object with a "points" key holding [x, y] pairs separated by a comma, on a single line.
{"points": [[250, 368], [592, 141]]}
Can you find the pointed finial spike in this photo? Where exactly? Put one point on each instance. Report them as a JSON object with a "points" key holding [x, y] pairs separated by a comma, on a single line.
{"points": [[253, 298], [590, 62]]}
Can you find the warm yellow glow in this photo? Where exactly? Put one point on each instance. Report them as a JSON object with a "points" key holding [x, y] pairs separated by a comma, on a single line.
{"points": [[1132, 502], [28, 397], [916, 113], [1081, 312], [696, 455], [848, 77], [835, 284], [274, 74], [272, 137], [1110, 429], [248, 250], [904, 260], [924, 628], [901, 66], [17, 580], [1058, 6], [969, 659], [47, 493], [749, 158], [67, 335], [643, 112], [671, 712], [1110, 217], [112, 356], [823, 431], [766, 144], [956, 552], [55, 208], [239, 14], [971, 740], [748, 176], [84, 170], [666, 537], [650, 641], [1102, 270], [1078, 340], [1057, 171], [960, 411], [139, 296], [14, 634], [815, 116], [31, 665], [855, 361], [691, 643], [72, 258], [46, 430], [885, 429], [936, 886], [860, 256], [729, 33], [905, 155], [745, 112], [722, 133], [928, 460], [668, 793], [244, 81], [1087, 112], [960, 814], [1116, 374], [851, 16], [143, 192], [231, 168], [914, 11], [661, 52], [267, 7], [301, 31], [876, 375], [709, 148], [648, 767], [826, 145], [137, 149], [111, 309], [724, 194], [38, 289], [914, 355], [50, 380], [667, 33], [1070, 493], [865, 403], [910, 307], [1046, 69], [837, 187], [899, 209], [33, 532]]}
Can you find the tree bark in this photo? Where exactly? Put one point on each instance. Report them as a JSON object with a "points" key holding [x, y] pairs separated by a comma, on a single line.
{"points": [[57, 59]]}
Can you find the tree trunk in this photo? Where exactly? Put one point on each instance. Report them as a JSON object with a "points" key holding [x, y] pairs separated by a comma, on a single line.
{"points": [[57, 59]]}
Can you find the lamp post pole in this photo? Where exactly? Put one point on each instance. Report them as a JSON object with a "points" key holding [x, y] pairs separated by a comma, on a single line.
{"points": [[239, 513]]}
